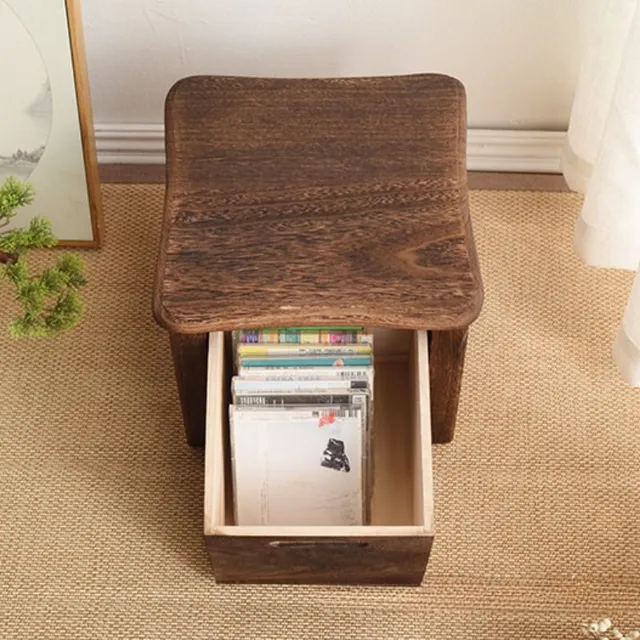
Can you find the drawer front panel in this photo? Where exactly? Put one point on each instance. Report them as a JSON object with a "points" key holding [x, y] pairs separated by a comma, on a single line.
{"points": [[398, 560]]}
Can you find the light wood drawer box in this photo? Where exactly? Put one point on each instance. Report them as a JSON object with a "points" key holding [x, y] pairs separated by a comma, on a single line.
{"points": [[395, 548]]}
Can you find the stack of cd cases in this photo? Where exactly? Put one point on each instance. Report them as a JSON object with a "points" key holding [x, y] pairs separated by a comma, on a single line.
{"points": [[301, 426]]}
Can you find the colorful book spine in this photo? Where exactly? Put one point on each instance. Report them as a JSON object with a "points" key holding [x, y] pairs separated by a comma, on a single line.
{"points": [[239, 385], [309, 373], [333, 336], [299, 399], [280, 350], [326, 328], [297, 361]]}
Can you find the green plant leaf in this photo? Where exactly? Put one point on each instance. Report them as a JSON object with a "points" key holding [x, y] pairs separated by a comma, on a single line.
{"points": [[13, 195], [50, 301], [37, 235]]}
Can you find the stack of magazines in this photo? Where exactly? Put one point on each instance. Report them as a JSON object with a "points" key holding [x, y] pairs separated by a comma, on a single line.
{"points": [[300, 423]]}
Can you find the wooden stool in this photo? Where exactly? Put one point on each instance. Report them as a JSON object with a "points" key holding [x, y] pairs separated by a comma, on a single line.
{"points": [[307, 202]]}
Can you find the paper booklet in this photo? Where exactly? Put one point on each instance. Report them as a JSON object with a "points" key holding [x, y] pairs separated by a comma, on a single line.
{"points": [[298, 466]]}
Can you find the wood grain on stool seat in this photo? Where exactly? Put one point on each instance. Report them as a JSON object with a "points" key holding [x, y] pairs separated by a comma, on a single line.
{"points": [[317, 201], [293, 201]]}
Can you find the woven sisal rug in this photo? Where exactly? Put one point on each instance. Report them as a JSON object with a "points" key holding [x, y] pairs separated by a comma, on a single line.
{"points": [[537, 500]]}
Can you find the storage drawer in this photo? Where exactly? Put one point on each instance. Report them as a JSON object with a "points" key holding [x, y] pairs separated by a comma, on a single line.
{"points": [[395, 548]]}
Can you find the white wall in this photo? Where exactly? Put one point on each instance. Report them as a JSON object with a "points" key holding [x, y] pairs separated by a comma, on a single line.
{"points": [[518, 58]]}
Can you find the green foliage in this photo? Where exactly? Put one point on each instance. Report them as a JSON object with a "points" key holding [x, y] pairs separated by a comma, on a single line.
{"points": [[13, 195], [51, 301], [37, 235]]}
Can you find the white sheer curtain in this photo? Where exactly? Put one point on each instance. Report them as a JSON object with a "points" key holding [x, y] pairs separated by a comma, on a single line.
{"points": [[602, 160]]}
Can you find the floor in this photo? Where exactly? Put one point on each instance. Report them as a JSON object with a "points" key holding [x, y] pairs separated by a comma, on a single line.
{"points": [[537, 499]]}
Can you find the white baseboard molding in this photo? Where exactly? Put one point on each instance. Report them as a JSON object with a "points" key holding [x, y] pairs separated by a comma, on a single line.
{"points": [[515, 151], [487, 149], [130, 143]]}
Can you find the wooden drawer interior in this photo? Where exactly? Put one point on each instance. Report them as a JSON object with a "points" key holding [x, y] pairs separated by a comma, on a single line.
{"points": [[402, 498]]}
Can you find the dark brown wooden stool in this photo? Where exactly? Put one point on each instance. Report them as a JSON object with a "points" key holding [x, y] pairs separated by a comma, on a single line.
{"points": [[328, 201]]}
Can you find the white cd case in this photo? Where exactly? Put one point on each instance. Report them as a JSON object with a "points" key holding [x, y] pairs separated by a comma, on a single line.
{"points": [[298, 466]]}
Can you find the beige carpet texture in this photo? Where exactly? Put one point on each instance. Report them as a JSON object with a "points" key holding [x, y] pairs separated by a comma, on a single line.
{"points": [[537, 499]]}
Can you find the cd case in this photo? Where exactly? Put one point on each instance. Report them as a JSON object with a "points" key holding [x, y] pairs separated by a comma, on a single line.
{"points": [[299, 465]]}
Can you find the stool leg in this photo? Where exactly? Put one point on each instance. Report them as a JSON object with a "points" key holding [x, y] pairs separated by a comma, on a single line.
{"points": [[190, 364], [446, 361]]}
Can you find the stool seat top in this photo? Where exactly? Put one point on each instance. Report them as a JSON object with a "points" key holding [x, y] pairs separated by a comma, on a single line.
{"points": [[295, 202]]}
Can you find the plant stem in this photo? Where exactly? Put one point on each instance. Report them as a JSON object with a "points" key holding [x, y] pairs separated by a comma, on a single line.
{"points": [[8, 258]]}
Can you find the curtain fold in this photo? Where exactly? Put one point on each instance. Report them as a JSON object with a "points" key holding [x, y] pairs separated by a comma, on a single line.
{"points": [[602, 160]]}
